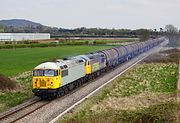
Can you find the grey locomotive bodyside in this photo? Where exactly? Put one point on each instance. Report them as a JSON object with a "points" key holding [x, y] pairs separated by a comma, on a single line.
{"points": [[75, 71]]}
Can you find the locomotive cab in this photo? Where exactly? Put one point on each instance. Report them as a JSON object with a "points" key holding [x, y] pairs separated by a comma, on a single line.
{"points": [[46, 79]]}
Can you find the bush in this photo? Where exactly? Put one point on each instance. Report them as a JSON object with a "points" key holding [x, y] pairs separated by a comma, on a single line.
{"points": [[6, 83]]}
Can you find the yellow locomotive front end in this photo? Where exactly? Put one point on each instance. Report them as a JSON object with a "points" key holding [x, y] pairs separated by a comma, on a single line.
{"points": [[46, 80]]}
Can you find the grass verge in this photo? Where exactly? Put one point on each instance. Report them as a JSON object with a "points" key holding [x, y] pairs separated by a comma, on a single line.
{"points": [[11, 98], [162, 113], [145, 94]]}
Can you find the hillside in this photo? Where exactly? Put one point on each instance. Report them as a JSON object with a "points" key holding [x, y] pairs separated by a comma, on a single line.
{"points": [[19, 23], [27, 26]]}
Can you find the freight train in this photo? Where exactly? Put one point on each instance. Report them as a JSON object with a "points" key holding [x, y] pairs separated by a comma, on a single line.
{"points": [[52, 79]]}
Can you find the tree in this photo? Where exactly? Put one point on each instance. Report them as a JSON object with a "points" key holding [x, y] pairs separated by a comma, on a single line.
{"points": [[173, 34], [144, 34], [170, 29]]}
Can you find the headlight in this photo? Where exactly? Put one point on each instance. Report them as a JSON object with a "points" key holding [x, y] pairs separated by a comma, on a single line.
{"points": [[35, 83]]}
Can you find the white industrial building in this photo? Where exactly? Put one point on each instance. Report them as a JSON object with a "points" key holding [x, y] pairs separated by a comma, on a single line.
{"points": [[23, 36]]}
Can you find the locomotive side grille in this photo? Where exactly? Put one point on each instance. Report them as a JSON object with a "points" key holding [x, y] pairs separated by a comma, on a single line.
{"points": [[42, 83]]}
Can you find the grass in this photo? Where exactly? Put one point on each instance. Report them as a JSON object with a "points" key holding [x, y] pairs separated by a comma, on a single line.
{"points": [[111, 105], [12, 99], [14, 61], [162, 113], [147, 78]]}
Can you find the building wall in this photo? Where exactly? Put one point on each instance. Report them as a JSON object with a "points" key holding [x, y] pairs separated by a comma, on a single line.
{"points": [[23, 36]]}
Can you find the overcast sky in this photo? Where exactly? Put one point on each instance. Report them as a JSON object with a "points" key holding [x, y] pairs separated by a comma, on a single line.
{"points": [[130, 14]]}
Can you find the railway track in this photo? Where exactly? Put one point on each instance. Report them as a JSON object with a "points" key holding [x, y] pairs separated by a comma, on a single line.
{"points": [[22, 111]]}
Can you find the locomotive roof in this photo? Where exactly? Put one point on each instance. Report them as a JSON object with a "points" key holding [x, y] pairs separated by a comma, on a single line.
{"points": [[47, 65], [69, 62], [82, 57]]}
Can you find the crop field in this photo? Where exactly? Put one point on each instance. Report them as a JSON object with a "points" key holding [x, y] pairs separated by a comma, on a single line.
{"points": [[15, 61], [144, 94]]}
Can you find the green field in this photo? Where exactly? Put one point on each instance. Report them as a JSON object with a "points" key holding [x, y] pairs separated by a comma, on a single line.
{"points": [[14, 61]]}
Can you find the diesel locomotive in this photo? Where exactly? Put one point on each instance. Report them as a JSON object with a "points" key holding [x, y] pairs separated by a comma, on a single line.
{"points": [[52, 79]]}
